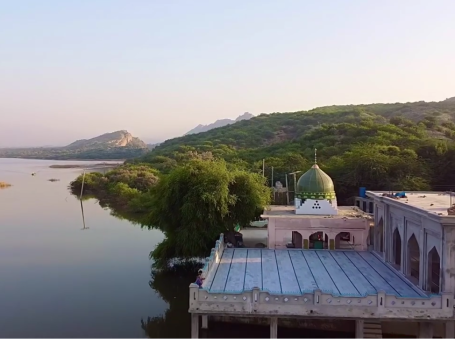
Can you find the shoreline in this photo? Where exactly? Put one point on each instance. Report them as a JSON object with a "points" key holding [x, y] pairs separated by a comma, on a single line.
{"points": [[84, 166], [68, 160]]}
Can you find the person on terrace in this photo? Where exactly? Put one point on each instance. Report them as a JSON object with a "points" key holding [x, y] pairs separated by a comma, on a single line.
{"points": [[199, 279]]}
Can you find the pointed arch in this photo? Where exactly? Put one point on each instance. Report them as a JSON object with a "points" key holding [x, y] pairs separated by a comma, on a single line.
{"points": [[413, 257], [434, 271], [297, 240], [380, 234], [397, 248]]}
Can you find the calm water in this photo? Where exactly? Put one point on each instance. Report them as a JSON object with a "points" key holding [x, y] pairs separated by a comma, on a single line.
{"points": [[60, 280]]}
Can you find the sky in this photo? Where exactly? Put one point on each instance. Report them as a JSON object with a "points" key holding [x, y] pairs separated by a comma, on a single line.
{"points": [[157, 68]]}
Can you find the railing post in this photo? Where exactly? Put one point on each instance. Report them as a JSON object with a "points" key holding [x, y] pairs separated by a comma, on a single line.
{"points": [[194, 296], [317, 297]]}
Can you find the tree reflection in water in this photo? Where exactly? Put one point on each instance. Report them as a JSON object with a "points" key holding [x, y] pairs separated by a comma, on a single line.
{"points": [[173, 287]]}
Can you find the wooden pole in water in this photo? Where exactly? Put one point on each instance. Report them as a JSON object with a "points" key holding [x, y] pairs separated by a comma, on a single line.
{"points": [[263, 167], [82, 187]]}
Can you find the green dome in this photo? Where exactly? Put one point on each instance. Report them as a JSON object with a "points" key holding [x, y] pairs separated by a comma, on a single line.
{"points": [[315, 184]]}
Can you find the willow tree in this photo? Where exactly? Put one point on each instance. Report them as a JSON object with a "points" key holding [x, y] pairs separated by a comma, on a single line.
{"points": [[196, 202]]}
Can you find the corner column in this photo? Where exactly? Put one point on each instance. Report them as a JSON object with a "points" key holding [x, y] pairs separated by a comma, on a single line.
{"points": [[194, 326], [359, 329], [425, 330], [205, 322], [273, 328]]}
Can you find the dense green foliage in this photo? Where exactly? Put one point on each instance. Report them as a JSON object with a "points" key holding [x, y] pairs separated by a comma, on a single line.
{"points": [[198, 201], [380, 146], [120, 189]]}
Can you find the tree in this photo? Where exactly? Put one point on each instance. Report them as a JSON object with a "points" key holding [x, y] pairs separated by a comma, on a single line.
{"points": [[196, 202]]}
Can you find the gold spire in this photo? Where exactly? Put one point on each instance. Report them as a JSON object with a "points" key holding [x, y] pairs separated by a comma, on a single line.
{"points": [[315, 156]]}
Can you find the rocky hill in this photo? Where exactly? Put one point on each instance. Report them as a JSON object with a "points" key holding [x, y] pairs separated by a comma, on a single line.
{"points": [[120, 138], [219, 123], [114, 145]]}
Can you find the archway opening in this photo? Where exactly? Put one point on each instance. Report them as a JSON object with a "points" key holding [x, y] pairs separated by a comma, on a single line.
{"points": [[297, 240], [413, 258], [434, 271], [380, 234], [318, 241], [343, 241], [397, 248], [370, 207]]}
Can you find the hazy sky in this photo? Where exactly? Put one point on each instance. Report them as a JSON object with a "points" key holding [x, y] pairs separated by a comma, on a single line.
{"points": [[157, 68]]}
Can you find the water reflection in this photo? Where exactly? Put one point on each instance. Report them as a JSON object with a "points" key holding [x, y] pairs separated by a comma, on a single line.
{"points": [[172, 287], [83, 217]]}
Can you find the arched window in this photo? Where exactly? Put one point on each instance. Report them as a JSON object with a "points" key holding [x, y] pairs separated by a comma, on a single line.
{"points": [[413, 257], [397, 248], [380, 234], [434, 274], [343, 241], [317, 241]]}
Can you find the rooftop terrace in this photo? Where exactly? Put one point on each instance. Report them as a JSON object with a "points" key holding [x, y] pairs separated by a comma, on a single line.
{"points": [[296, 272], [288, 211], [433, 202], [316, 283]]}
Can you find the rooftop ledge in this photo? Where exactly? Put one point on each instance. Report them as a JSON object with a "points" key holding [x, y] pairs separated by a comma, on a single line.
{"points": [[433, 203], [288, 211], [310, 283]]}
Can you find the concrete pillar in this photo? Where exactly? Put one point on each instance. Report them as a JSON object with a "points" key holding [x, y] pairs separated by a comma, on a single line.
{"points": [[194, 326], [205, 322], [425, 330], [273, 328], [359, 329], [449, 330]]}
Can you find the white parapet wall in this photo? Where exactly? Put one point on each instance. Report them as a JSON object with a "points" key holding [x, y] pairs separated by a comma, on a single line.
{"points": [[318, 304], [315, 207]]}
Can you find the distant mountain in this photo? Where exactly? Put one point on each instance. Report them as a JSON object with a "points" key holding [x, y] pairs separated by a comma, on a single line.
{"points": [[114, 145], [120, 138], [219, 123], [450, 100], [152, 146]]}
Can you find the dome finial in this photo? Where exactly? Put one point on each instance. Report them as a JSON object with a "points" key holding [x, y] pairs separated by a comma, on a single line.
{"points": [[315, 156]]}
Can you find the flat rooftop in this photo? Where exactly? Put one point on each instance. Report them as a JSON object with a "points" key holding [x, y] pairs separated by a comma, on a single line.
{"points": [[433, 202], [288, 211], [296, 272]]}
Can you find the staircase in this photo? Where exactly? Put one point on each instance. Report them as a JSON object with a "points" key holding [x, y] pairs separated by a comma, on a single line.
{"points": [[372, 329]]}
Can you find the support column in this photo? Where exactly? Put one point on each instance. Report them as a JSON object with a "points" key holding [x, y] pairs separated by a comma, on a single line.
{"points": [[449, 330], [205, 322], [194, 326], [359, 329], [273, 328], [425, 330]]}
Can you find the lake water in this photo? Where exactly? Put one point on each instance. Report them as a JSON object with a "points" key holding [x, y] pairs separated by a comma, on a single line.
{"points": [[59, 280]]}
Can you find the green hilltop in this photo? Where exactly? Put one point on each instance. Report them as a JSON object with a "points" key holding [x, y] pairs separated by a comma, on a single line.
{"points": [[421, 134]]}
